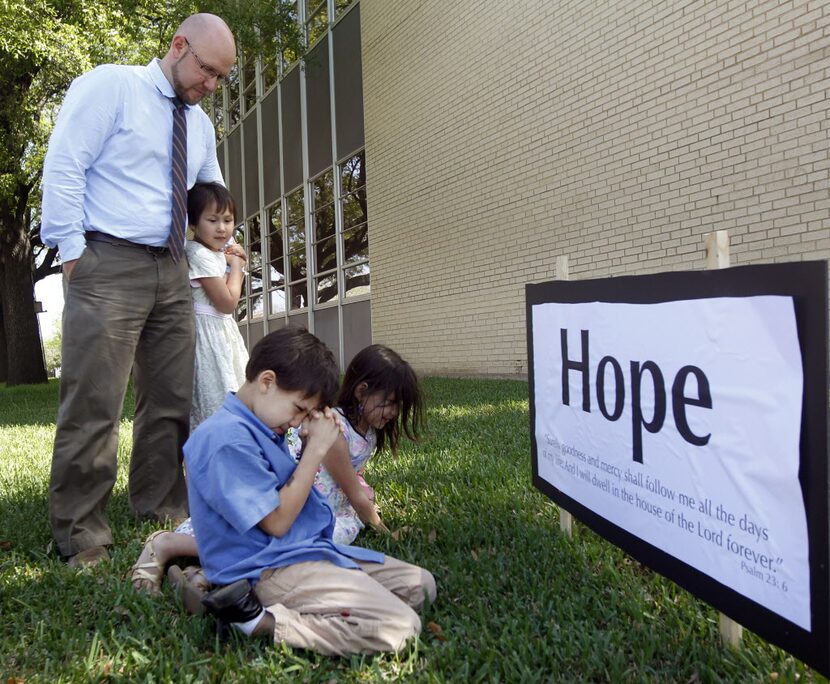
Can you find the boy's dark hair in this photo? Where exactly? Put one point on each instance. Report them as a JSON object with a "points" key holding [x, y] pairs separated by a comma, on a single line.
{"points": [[300, 361], [383, 370], [202, 195]]}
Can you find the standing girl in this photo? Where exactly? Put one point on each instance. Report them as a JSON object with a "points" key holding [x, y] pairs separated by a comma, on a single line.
{"points": [[216, 277], [380, 400]]}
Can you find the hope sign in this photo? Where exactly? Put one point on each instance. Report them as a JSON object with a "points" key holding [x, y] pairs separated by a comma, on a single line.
{"points": [[637, 371]]}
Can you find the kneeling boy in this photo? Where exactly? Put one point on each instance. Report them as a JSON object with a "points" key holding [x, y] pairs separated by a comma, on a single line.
{"points": [[257, 516]]}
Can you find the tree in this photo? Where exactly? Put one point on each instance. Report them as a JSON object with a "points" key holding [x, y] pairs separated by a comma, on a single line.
{"points": [[44, 44]]}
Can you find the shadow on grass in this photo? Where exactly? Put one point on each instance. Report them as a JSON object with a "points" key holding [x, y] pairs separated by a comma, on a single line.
{"points": [[38, 404]]}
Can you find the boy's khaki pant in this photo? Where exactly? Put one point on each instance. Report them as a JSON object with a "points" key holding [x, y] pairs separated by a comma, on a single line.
{"points": [[338, 611]]}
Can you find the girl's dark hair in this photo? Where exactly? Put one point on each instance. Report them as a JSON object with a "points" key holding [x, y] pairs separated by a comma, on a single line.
{"points": [[383, 370], [301, 362], [202, 195]]}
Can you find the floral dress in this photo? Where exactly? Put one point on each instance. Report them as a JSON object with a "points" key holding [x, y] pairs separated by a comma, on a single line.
{"points": [[220, 350], [347, 523]]}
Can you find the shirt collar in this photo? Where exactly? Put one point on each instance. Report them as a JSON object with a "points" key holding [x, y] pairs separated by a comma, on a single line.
{"points": [[237, 408], [160, 80]]}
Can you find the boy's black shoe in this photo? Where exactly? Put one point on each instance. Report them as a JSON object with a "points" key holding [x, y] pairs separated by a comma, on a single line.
{"points": [[235, 602]]}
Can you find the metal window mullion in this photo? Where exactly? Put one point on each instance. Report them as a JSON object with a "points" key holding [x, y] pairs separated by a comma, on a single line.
{"points": [[241, 201], [264, 246], [225, 153], [338, 207], [307, 194], [301, 16], [282, 203]]}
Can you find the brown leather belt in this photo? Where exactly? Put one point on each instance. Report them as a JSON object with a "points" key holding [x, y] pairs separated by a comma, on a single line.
{"points": [[95, 236]]}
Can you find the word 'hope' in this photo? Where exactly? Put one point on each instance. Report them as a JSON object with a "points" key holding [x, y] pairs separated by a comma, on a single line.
{"points": [[637, 371]]}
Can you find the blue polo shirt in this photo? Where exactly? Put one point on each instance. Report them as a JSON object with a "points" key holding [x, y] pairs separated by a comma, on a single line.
{"points": [[236, 466]]}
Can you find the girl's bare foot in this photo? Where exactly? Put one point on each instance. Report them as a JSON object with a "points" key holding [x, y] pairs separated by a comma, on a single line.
{"points": [[190, 584]]}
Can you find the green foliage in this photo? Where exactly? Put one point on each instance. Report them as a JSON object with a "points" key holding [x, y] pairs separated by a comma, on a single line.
{"points": [[517, 601], [43, 46], [52, 352]]}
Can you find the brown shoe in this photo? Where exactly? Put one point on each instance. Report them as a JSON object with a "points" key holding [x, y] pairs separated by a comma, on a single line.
{"points": [[147, 574], [88, 557]]}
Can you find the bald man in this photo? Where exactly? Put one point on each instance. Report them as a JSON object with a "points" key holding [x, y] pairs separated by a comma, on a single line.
{"points": [[108, 207]]}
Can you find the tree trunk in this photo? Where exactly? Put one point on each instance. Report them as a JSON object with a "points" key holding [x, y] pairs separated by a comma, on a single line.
{"points": [[24, 350], [4, 361]]}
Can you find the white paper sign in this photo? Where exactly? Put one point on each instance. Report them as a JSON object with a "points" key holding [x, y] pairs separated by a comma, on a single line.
{"points": [[691, 437]]}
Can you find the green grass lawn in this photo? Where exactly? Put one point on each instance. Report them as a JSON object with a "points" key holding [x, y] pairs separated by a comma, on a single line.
{"points": [[517, 601]]}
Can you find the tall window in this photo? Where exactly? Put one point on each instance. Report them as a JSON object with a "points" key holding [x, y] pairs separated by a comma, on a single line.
{"points": [[254, 269], [276, 261], [270, 71], [288, 55], [316, 19], [234, 99], [297, 271], [324, 240], [215, 109], [355, 226], [249, 94]]}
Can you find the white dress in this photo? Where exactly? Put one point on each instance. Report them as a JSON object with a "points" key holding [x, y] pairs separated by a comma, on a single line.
{"points": [[221, 356]]}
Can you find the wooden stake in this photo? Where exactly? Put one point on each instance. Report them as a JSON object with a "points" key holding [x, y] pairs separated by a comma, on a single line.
{"points": [[731, 633], [717, 249], [717, 256], [566, 520]]}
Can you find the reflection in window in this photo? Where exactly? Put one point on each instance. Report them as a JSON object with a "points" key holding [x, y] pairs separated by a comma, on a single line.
{"points": [[270, 72], [317, 19], [276, 263], [242, 307], [325, 288], [357, 245], [355, 226], [357, 280], [297, 274], [323, 238], [216, 111], [234, 114], [340, 5], [296, 266], [290, 55], [255, 307], [207, 105], [232, 87], [249, 82]]}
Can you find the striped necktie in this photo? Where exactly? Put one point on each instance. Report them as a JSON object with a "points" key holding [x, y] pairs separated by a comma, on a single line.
{"points": [[175, 242]]}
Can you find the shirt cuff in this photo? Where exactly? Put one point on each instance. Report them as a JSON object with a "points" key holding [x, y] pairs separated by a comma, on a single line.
{"points": [[72, 247]]}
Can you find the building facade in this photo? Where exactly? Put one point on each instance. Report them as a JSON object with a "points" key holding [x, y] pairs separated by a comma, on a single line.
{"points": [[291, 145], [482, 142]]}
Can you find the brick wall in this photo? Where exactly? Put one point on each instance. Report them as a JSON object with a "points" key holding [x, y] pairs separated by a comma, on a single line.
{"points": [[500, 135]]}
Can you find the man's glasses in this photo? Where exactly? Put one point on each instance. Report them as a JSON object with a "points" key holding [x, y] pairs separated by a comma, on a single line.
{"points": [[208, 70]]}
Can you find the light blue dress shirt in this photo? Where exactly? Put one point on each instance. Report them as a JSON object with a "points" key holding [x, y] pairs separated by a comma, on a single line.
{"points": [[108, 164], [236, 466]]}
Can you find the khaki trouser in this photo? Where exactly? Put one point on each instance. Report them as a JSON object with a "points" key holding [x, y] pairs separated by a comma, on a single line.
{"points": [[338, 611], [124, 309]]}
